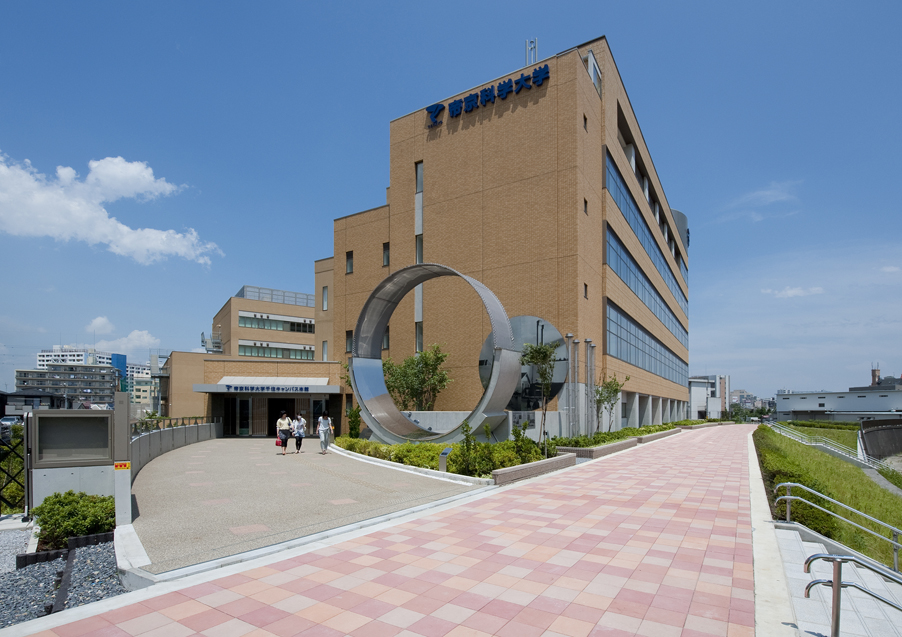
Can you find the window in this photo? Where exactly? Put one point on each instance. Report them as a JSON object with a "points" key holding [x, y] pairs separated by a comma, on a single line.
{"points": [[630, 342], [385, 340], [349, 262], [820, 404], [586, 206], [419, 335], [419, 248], [325, 299], [419, 168], [585, 290], [349, 340], [325, 350], [386, 256]]}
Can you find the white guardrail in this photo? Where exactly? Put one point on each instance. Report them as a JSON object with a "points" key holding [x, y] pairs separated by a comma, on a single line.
{"points": [[854, 454]]}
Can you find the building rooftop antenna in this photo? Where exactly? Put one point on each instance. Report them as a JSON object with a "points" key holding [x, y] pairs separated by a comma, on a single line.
{"points": [[532, 51]]}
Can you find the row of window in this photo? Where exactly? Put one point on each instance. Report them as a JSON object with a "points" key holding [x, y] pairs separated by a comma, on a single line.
{"points": [[349, 258], [623, 264], [272, 324], [349, 341], [629, 342], [275, 352], [634, 218]]}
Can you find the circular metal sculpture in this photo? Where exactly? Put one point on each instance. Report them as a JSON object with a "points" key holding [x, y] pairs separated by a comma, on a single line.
{"points": [[527, 395], [377, 409]]}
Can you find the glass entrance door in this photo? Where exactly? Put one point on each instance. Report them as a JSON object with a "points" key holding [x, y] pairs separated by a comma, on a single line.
{"points": [[244, 416]]}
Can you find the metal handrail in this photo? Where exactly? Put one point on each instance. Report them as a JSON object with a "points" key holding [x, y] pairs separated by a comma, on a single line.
{"points": [[806, 439], [789, 498], [838, 561]]}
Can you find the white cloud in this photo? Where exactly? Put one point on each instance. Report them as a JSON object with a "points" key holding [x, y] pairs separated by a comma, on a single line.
{"points": [[66, 208], [788, 292], [775, 192], [135, 343], [890, 268], [100, 325]]}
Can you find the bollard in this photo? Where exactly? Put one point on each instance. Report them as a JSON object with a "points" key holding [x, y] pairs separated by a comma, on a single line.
{"points": [[443, 459]]}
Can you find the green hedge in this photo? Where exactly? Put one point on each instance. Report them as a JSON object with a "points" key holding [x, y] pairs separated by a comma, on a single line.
{"points": [[785, 460], [70, 514], [469, 458], [607, 437]]}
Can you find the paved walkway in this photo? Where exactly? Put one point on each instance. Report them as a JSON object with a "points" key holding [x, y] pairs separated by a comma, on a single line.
{"points": [[654, 541], [184, 517]]}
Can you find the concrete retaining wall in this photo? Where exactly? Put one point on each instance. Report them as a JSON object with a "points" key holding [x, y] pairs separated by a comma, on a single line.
{"points": [[532, 469], [600, 451], [151, 445], [658, 436]]}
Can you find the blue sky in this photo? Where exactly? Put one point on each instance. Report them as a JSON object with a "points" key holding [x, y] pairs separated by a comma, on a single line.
{"points": [[155, 157]]}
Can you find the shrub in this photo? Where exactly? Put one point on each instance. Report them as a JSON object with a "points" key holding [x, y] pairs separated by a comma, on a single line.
{"points": [[70, 514], [892, 475], [606, 437], [354, 422]]}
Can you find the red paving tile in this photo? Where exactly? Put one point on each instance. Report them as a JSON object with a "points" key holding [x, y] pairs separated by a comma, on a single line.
{"points": [[637, 539]]}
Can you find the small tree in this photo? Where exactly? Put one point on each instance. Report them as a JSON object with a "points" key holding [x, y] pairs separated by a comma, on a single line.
{"points": [[542, 358], [354, 422], [607, 393], [416, 383]]}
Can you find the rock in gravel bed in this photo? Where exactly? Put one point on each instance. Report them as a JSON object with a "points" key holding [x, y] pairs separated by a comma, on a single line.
{"points": [[26, 591], [94, 575]]}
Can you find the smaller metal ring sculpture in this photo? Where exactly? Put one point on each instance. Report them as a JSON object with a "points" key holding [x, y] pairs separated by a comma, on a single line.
{"points": [[377, 409]]}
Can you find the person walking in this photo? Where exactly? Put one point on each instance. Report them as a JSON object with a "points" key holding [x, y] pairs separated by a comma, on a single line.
{"points": [[325, 430], [299, 426], [283, 428]]}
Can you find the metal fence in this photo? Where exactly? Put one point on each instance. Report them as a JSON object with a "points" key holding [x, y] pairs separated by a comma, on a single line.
{"points": [[12, 473], [140, 427]]}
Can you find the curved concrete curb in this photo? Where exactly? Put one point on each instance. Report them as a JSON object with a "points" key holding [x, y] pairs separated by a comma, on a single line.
{"points": [[429, 473], [139, 578]]}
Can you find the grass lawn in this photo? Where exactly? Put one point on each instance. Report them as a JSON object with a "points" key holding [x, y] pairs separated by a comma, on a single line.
{"points": [[785, 460], [847, 438]]}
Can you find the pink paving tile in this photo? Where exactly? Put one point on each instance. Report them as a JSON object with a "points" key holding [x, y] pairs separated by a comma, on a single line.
{"points": [[123, 614], [144, 623], [207, 619], [499, 608], [376, 629], [89, 626], [516, 629], [163, 601], [289, 626], [263, 616], [431, 627], [200, 590], [472, 600], [490, 624]]}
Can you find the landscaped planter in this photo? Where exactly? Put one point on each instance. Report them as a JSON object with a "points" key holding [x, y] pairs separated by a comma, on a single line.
{"points": [[657, 436], [532, 469], [599, 451], [706, 424]]}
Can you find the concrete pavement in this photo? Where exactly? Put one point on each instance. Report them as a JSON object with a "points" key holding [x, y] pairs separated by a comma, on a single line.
{"points": [[227, 496]]}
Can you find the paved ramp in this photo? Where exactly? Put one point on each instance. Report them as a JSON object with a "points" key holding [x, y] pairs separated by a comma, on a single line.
{"points": [[227, 496]]}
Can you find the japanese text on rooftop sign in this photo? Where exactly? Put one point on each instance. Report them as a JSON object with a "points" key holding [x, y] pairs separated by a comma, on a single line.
{"points": [[488, 95], [267, 388]]}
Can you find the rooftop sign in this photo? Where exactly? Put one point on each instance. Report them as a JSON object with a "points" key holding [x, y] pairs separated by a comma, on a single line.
{"points": [[488, 95]]}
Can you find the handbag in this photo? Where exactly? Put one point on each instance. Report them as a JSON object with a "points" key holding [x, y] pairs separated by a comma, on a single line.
{"points": [[278, 442]]}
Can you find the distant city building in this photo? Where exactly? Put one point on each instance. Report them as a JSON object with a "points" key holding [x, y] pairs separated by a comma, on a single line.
{"points": [[709, 396], [881, 400], [91, 383], [63, 354]]}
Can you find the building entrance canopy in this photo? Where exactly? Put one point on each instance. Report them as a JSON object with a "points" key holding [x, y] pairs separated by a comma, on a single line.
{"points": [[377, 408]]}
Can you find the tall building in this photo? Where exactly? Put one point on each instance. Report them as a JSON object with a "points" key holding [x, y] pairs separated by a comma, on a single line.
{"points": [[540, 185], [63, 354]]}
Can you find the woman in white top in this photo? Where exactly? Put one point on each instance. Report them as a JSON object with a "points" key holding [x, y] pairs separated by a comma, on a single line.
{"points": [[324, 429], [298, 427]]}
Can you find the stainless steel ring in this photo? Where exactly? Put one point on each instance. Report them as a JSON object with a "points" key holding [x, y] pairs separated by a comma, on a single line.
{"points": [[377, 409]]}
